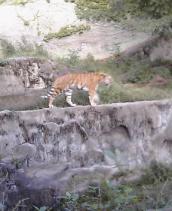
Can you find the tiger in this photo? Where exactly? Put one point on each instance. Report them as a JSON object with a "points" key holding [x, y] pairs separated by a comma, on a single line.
{"points": [[88, 81]]}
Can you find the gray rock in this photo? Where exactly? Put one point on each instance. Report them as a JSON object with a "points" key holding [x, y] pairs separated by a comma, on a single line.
{"points": [[62, 149], [23, 80]]}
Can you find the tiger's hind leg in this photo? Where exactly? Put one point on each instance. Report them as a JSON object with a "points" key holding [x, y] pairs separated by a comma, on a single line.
{"points": [[51, 96], [68, 95], [50, 103]]}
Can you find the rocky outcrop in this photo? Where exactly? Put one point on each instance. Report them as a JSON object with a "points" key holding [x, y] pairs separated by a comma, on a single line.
{"points": [[156, 48], [28, 25], [23, 80], [47, 152], [25, 72]]}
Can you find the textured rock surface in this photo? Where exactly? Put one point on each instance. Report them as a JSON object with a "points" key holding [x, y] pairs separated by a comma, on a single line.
{"points": [[22, 81], [156, 48], [67, 148], [30, 23]]}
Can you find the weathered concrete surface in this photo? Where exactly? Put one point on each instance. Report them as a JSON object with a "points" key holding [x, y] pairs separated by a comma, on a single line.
{"points": [[51, 151]]}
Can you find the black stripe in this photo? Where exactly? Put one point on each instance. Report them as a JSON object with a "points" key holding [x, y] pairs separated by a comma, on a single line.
{"points": [[54, 91], [50, 92]]}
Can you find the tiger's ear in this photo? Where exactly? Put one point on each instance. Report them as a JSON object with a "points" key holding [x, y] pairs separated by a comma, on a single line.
{"points": [[103, 75]]}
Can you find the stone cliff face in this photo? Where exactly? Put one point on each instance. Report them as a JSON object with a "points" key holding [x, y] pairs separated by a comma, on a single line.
{"points": [[24, 80], [47, 152]]}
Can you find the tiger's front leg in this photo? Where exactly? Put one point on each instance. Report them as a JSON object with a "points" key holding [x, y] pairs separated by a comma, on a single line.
{"points": [[68, 95], [94, 98]]}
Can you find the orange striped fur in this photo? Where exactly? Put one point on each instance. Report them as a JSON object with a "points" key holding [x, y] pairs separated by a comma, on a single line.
{"points": [[86, 81]]}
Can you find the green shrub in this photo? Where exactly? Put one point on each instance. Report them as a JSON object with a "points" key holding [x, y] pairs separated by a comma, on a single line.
{"points": [[67, 31], [152, 15], [154, 8], [114, 93], [152, 191], [23, 49], [156, 173], [7, 48], [136, 71], [93, 9]]}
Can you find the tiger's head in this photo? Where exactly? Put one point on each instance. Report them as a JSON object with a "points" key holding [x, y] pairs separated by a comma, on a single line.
{"points": [[105, 79]]}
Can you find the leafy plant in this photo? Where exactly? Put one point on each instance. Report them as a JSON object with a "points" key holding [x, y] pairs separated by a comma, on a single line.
{"points": [[93, 9], [69, 201], [146, 15], [154, 8], [7, 48], [67, 31], [157, 173], [23, 49]]}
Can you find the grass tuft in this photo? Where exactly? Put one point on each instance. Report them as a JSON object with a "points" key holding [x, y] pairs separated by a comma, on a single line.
{"points": [[67, 31]]}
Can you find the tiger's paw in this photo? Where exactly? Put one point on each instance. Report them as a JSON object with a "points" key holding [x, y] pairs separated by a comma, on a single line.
{"points": [[51, 106], [93, 104], [73, 105]]}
